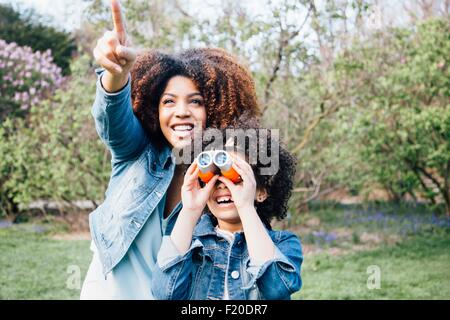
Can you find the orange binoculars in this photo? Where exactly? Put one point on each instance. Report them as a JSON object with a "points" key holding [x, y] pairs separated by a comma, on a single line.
{"points": [[210, 162]]}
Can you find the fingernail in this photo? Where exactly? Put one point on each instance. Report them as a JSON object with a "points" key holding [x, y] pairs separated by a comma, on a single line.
{"points": [[123, 62], [118, 69]]}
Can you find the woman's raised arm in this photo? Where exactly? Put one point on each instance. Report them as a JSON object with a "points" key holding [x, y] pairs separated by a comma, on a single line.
{"points": [[113, 53], [115, 122]]}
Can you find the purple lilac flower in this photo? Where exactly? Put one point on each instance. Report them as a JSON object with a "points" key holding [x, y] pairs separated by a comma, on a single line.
{"points": [[26, 75]]}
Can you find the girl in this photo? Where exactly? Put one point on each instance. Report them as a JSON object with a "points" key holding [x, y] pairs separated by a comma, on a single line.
{"points": [[140, 117], [232, 252]]}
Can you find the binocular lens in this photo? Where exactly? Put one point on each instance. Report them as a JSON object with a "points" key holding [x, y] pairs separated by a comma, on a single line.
{"points": [[221, 158], [204, 159], [209, 162]]}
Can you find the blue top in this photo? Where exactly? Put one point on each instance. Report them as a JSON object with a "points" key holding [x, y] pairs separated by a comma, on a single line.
{"points": [[127, 228], [213, 267], [131, 277], [141, 174]]}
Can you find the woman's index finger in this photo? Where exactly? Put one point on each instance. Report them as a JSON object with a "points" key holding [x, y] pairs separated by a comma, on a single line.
{"points": [[118, 21]]}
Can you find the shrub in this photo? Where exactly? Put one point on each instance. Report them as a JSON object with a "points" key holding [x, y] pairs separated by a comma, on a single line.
{"points": [[26, 78]]}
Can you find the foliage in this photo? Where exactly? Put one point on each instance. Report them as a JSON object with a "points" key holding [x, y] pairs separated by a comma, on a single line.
{"points": [[26, 78], [55, 153], [401, 118], [362, 108], [25, 29]]}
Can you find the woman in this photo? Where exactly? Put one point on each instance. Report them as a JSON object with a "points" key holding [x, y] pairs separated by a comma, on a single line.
{"points": [[140, 117]]}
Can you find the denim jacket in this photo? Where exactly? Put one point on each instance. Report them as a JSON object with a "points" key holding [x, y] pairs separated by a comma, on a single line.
{"points": [[140, 176], [200, 273]]}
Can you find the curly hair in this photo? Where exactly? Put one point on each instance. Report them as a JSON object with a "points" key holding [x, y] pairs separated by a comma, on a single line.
{"points": [[226, 85], [278, 185]]}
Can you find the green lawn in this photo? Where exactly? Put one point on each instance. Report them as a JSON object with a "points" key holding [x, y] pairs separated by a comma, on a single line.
{"points": [[418, 268], [415, 265], [33, 266]]}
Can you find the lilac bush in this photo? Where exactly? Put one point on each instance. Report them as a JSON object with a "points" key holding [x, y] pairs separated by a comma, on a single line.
{"points": [[26, 78]]}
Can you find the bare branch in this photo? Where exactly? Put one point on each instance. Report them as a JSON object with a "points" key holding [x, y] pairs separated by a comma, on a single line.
{"points": [[314, 123], [182, 11], [283, 43]]}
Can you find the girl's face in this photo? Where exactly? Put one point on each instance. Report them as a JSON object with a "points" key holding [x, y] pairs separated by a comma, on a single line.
{"points": [[220, 204], [181, 108]]}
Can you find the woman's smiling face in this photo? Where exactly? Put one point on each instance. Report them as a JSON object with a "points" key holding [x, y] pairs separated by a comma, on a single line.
{"points": [[181, 108]]}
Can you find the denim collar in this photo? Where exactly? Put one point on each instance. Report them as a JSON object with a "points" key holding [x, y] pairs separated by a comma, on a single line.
{"points": [[165, 155], [204, 227]]}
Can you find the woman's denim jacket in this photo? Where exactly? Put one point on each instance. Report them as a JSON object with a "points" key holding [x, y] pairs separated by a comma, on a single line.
{"points": [[140, 177], [200, 273]]}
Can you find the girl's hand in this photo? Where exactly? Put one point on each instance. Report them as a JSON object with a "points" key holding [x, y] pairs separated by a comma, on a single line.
{"points": [[113, 53], [194, 197], [244, 192]]}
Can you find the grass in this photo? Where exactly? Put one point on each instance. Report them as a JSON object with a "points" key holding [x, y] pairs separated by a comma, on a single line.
{"points": [[410, 245], [33, 266], [418, 268], [411, 248]]}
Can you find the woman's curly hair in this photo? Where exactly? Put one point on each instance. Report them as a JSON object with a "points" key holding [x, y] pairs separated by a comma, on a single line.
{"points": [[226, 85], [278, 185]]}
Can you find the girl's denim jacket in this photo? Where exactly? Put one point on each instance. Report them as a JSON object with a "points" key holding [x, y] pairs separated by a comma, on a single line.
{"points": [[200, 273]]}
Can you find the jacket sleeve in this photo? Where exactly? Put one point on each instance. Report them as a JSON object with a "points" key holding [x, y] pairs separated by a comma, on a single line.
{"points": [[171, 279], [116, 123], [280, 277]]}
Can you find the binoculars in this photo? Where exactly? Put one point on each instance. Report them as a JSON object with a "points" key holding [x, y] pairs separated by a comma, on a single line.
{"points": [[210, 162]]}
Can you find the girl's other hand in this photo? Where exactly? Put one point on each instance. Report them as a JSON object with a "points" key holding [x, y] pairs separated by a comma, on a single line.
{"points": [[193, 196], [244, 192]]}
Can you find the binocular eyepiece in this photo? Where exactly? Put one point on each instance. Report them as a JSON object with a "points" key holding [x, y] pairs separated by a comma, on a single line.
{"points": [[210, 162]]}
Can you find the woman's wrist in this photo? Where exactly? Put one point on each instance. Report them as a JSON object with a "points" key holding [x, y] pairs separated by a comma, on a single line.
{"points": [[113, 83]]}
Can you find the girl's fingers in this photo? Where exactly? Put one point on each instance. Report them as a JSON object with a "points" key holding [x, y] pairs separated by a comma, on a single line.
{"points": [[193, 176], [210, 185], [241, 172], [230, 185], [244, 166], [191, 168], [110, 39]]}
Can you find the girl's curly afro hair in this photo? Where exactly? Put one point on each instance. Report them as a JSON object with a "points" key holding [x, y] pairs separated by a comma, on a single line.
{"points": [[226, 85]]}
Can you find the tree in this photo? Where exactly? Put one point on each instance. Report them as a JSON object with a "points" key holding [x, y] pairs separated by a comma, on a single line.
{"points": [[54, 153], [26, 30], [26, 78], [401, 84]]}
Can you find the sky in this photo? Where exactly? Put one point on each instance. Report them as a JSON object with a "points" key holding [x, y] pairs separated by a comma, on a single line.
{"points": [[64, 13], [67, 13]]}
